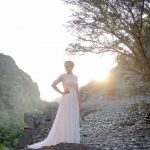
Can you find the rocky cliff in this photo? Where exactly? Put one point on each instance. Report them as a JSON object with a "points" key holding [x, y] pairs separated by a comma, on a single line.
{"points": [[18, 92]]}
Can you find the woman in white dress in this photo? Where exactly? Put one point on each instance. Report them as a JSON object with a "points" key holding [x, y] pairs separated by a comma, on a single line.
{"points": [[66, 127]]}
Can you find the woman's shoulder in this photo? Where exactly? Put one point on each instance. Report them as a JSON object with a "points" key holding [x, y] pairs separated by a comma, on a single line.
{"points": [[62, 75], [65, 74]]}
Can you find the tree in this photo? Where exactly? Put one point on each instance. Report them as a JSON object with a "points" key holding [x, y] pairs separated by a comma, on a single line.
{"points": [[117, 26]]}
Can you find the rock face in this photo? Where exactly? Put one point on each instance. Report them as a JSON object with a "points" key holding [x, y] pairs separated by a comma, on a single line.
{"points": [[68, 146], [121, 78], [122, 81], [18, 92], [35, 129], [36, 126]]}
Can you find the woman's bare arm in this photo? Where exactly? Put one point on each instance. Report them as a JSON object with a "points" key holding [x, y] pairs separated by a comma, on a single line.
{"points": [[54, 86], [58, 90]]}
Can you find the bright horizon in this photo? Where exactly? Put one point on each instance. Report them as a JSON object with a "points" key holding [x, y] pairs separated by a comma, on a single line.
{"points": [[32, 33]]}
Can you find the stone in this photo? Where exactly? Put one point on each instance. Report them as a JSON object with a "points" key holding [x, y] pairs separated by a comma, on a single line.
{"points": [[28, 121]]}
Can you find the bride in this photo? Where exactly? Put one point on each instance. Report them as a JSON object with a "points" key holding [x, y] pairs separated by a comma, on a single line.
{"points": [[66, 127]]}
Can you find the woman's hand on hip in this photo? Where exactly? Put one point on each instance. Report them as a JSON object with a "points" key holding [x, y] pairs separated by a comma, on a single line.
{"points": [[66, 91]]}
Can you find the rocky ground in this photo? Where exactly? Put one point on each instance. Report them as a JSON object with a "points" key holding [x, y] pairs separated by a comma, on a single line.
{"points": [[116, 123], [108, 123]]}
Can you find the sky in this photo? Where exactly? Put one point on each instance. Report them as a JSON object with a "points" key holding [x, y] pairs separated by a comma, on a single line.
{"points": [[32, 32]]}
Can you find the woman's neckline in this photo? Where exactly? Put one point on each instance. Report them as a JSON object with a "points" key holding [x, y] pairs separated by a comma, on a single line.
{"points": [[70, 73]]}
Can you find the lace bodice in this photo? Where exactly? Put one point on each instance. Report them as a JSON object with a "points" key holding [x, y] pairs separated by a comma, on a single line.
{"points": [[69, 81]]}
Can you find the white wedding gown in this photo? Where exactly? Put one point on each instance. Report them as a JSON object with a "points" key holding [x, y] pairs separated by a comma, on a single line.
{"points": [[66, 127]]}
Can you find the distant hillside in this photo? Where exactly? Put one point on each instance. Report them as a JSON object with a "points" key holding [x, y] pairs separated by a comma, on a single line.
{"points": [[122, 81], [18, 92]]}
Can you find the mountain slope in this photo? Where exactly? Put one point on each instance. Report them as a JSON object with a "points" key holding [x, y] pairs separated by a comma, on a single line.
{"points": [[18, 92]]}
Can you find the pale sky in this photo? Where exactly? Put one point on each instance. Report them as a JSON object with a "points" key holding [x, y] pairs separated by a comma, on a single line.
{"points": [[32, 33]]}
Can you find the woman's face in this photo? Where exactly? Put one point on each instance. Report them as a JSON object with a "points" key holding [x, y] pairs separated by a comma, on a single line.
{"points": [[68, 67]]}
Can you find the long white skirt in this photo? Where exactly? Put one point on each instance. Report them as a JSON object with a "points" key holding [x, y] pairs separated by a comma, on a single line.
{"points": [[66, 127]]}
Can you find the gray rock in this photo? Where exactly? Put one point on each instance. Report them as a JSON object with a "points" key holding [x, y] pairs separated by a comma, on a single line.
{"points": [[28, 121], [18, 92]]}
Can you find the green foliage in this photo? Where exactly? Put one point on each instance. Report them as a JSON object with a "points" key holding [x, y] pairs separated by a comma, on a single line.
{"points": [[120, 27], [48, 106], [12, 126], [2, 147], [37, 112], [10, 132]]}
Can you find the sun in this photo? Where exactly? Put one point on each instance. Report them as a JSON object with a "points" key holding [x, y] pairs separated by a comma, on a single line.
{"points": [[101, 76], [93, 67]]}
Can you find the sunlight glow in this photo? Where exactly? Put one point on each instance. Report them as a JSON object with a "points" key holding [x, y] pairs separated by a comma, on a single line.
{"points": [[32, 33], [93, 66], [103, 76]]}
